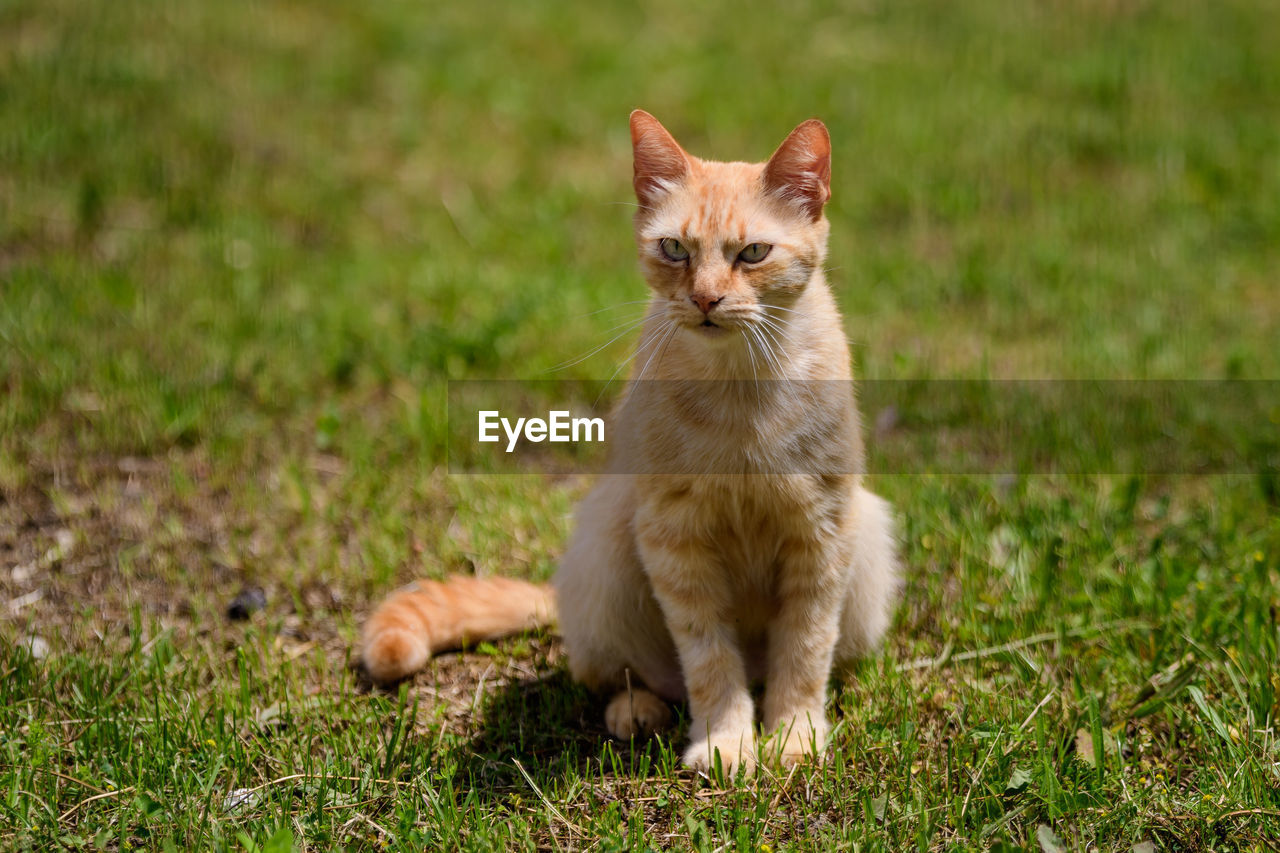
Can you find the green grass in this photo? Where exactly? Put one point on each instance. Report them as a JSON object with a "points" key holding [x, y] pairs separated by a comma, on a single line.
{"points": [[244, 246]]}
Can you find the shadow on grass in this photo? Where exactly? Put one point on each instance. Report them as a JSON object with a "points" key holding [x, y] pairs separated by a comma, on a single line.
{"points": [[546, 732], [533, 731]]}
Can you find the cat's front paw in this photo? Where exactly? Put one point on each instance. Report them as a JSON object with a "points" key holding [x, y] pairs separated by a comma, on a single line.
{"points": [[799, 739], [736, 751]]}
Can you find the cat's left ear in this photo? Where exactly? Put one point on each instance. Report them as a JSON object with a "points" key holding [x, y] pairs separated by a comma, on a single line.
{"points": [[800, 170], [660, 162]]}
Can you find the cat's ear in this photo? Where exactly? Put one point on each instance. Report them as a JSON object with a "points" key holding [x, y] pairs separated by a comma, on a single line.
{"points": [[800, 170], [659, 159]]}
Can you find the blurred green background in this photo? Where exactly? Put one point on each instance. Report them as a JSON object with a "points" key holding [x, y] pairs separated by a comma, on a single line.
{"points": [[218, 218]]}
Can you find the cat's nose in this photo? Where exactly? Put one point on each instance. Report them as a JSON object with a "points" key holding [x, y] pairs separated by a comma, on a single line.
{"points": [[705, 301]]}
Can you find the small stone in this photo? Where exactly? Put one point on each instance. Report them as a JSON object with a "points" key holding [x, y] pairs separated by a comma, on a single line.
{"points": [[249, 600], [238, 797], [38, 648]]}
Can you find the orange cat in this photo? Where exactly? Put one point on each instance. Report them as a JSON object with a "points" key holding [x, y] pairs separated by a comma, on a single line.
{"points": [[740, 544]]}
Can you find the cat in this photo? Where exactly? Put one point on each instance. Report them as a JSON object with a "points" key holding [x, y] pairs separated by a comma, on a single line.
{"points": [[740, 542]]}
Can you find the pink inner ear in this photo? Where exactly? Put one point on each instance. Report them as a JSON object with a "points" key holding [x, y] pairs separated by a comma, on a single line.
{"points": [[800, 170], [659, 158]]}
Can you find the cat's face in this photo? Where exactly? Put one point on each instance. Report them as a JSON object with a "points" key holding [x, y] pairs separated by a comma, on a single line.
{"points": [[728, 245]]}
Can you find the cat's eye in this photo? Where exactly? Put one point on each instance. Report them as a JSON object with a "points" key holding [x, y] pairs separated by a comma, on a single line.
{"points": [[755, 253], [673, 250]]}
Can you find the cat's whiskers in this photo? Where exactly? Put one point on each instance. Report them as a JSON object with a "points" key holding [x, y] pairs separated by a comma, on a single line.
{"points": [[771, 360], [767, 307], [787, 382], [783, 384], [776, 323], [672, 328], [631, 325], [783, 327], [774, 329], [751, 355], [632, 204], [612, 308], [650, 338], [767, 350]]}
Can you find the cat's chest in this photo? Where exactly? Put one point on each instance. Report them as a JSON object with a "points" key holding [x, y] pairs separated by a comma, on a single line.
{"points": [[800, 428], [749, 517], [740, 531]]}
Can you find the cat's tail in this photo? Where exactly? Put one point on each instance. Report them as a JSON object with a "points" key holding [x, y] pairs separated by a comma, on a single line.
{"points": [[433, 616]]}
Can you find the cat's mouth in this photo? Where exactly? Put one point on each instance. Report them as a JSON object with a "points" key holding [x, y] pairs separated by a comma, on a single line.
{"points": [[710, 328]]}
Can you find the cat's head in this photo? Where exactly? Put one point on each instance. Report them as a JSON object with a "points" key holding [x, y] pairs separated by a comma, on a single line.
{"points": [[721, 243]]}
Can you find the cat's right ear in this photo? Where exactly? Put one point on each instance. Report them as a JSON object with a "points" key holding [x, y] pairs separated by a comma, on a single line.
{"points": [[800, 170], [660, 162]]}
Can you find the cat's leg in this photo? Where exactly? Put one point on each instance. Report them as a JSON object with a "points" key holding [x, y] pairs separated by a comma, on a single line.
{"points": [[873, 578], [817, 625], [802, 640], [613, 629], [696, 600]]}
